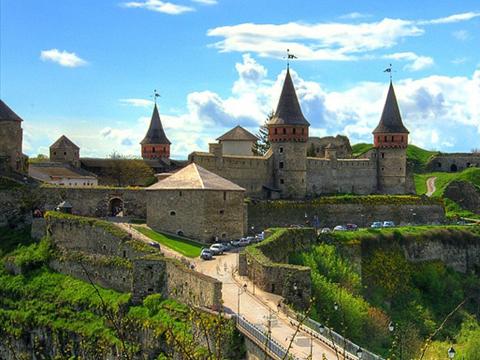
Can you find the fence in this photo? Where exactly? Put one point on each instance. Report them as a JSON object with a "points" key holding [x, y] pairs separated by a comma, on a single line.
{"points": [[269, 345], [331, 338]]}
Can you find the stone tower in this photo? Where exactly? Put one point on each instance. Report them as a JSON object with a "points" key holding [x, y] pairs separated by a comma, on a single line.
{"points": [[390, 139], [288, 135], [155, 145], [65, 151], [11, 137]]}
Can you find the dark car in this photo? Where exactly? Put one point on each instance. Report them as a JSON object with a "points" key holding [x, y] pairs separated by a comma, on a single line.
{"points": [[352, 227]]}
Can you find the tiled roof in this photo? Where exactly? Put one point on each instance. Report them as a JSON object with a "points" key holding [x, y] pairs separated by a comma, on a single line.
{"points": [[155, 133], [288, 109], [63, 142], [391, 120], [194, 177], [7, 114], [238, 133]]}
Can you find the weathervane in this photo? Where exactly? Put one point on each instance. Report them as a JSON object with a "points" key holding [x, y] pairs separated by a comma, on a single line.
{"points": [[155, 95], [289, 56], [389, 70]]}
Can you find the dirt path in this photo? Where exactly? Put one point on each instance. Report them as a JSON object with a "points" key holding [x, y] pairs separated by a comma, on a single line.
{"points": [[431, 186]]}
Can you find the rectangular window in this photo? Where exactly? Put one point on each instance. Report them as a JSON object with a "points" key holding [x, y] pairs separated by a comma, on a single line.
{"points": [[293, 130], [280, 150], [224, 195], [281, 181], [281, 165], [383, 155]]}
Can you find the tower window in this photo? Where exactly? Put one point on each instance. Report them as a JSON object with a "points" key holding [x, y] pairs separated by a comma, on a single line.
{"points": [[294, 130], [180, 193], [173, 213], [221, 212], [386, 138], [383, 155], [303, 131], [275, 131], [280, 150], [153, 149], [281, 181], [224, 195], [54, 153], [392, 137], [284, 131], [280, 165], [64, 153]]}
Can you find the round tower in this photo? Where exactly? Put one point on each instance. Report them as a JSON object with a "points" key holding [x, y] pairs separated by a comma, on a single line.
{"points": [[288, 135], [390, 139], [155, 145]]}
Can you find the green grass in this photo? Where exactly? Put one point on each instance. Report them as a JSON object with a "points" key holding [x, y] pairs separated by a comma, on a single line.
{"points": [[185, 247], [419, 157], [360, 149], [443, 179]]}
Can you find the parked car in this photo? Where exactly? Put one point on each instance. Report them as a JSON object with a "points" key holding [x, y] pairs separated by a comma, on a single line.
{"points": [[352, 227], [244, 241], [226, 246], [206, 254], [325, 230], [154, 244], [376, 225], [216, 249], [388, 224], [339, 228], [296, 226], [251, 239]]}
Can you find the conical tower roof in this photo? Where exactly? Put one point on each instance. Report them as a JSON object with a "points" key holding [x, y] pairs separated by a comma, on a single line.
{"points": [[391, 120], [155, 133], [7, 114], [288, 109]]}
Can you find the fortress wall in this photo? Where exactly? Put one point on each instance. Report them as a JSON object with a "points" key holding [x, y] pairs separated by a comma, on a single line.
{"points": [[357, 176], [448, 162], [113, 260], [249, 172], [15, 208], [95, 202], [266, 264], [267, 214]]}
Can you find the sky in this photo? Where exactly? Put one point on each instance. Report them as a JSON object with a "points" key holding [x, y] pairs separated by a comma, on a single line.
{"points": [[88, 69]]}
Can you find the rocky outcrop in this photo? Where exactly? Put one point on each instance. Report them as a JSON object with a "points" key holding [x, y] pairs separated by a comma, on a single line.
{"points": [[465, 194]]}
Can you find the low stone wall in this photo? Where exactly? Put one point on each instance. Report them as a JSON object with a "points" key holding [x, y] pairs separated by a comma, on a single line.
{"points": [[361, 211], [15, 205], [266, 264], [113, 260]]}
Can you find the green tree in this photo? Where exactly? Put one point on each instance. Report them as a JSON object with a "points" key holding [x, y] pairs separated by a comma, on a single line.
{"points": [[127, 171], [38, 159], [311, 150], [262, 145]]}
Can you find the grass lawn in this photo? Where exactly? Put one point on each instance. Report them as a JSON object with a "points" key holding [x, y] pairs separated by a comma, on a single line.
{"points": [[443, 179], [185, 247]]}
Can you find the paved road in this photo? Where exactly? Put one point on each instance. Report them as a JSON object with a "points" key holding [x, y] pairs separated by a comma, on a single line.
{"points": [[258, 308], [431, 186]]}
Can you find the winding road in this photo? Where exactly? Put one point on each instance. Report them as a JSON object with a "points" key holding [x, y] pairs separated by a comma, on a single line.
{"points": [[431, 186]]}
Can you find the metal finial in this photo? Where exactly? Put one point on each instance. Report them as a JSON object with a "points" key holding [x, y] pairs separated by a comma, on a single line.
{"points": [[155, 95], [290, 56], [389, 70]]}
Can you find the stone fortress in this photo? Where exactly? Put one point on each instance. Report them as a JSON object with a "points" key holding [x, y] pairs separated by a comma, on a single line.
{"points": [[286, 171]]}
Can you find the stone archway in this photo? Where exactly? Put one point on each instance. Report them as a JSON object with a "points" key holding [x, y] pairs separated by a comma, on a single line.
{"points": [[453, 168], [116, 207]]}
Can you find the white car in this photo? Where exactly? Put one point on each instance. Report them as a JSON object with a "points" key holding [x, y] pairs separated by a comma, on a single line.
{"points": [[325, 230], [388, 224], [216, 249], [339, 228]]}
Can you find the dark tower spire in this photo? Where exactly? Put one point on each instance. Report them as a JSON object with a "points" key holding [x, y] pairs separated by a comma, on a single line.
{"points": [[288, 108], [155, 144], [391, 120]]}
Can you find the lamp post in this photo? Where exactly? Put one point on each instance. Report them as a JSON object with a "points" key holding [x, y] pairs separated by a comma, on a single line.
{"points": [[451, 352], [240, 291]]}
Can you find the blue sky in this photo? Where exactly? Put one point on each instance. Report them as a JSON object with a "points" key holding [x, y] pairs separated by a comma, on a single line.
{"points": [[87, 68]]}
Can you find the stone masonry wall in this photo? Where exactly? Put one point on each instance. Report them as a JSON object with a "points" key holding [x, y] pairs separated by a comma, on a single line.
{"points": [[267, 214], [15, 207], [453, 162], [266, 264], [113, 260]]}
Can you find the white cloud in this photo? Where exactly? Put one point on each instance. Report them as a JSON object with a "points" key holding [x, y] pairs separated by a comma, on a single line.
{"points": [[137, 102], [417, 62], [206, 2], [354, 16], [461, 35], [460, 60], [159, 6], [451, 19], [63, 58], [440, 112]]}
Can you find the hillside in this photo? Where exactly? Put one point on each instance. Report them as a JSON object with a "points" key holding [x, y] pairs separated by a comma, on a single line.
{"points": [[417, 156], [471, 175]]}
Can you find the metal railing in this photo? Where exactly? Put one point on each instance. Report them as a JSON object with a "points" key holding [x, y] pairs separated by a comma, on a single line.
{"points": [[266, 343]]}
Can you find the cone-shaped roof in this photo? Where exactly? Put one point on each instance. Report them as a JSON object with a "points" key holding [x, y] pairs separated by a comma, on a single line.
{"points": [[7, 114], [288, 109], [391, 120], [63, 142], [155, 133], [194, 177]]}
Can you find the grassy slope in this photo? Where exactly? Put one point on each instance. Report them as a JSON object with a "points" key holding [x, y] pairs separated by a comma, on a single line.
{"points": [[188, 248], [360, 149], [443, 179]]}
